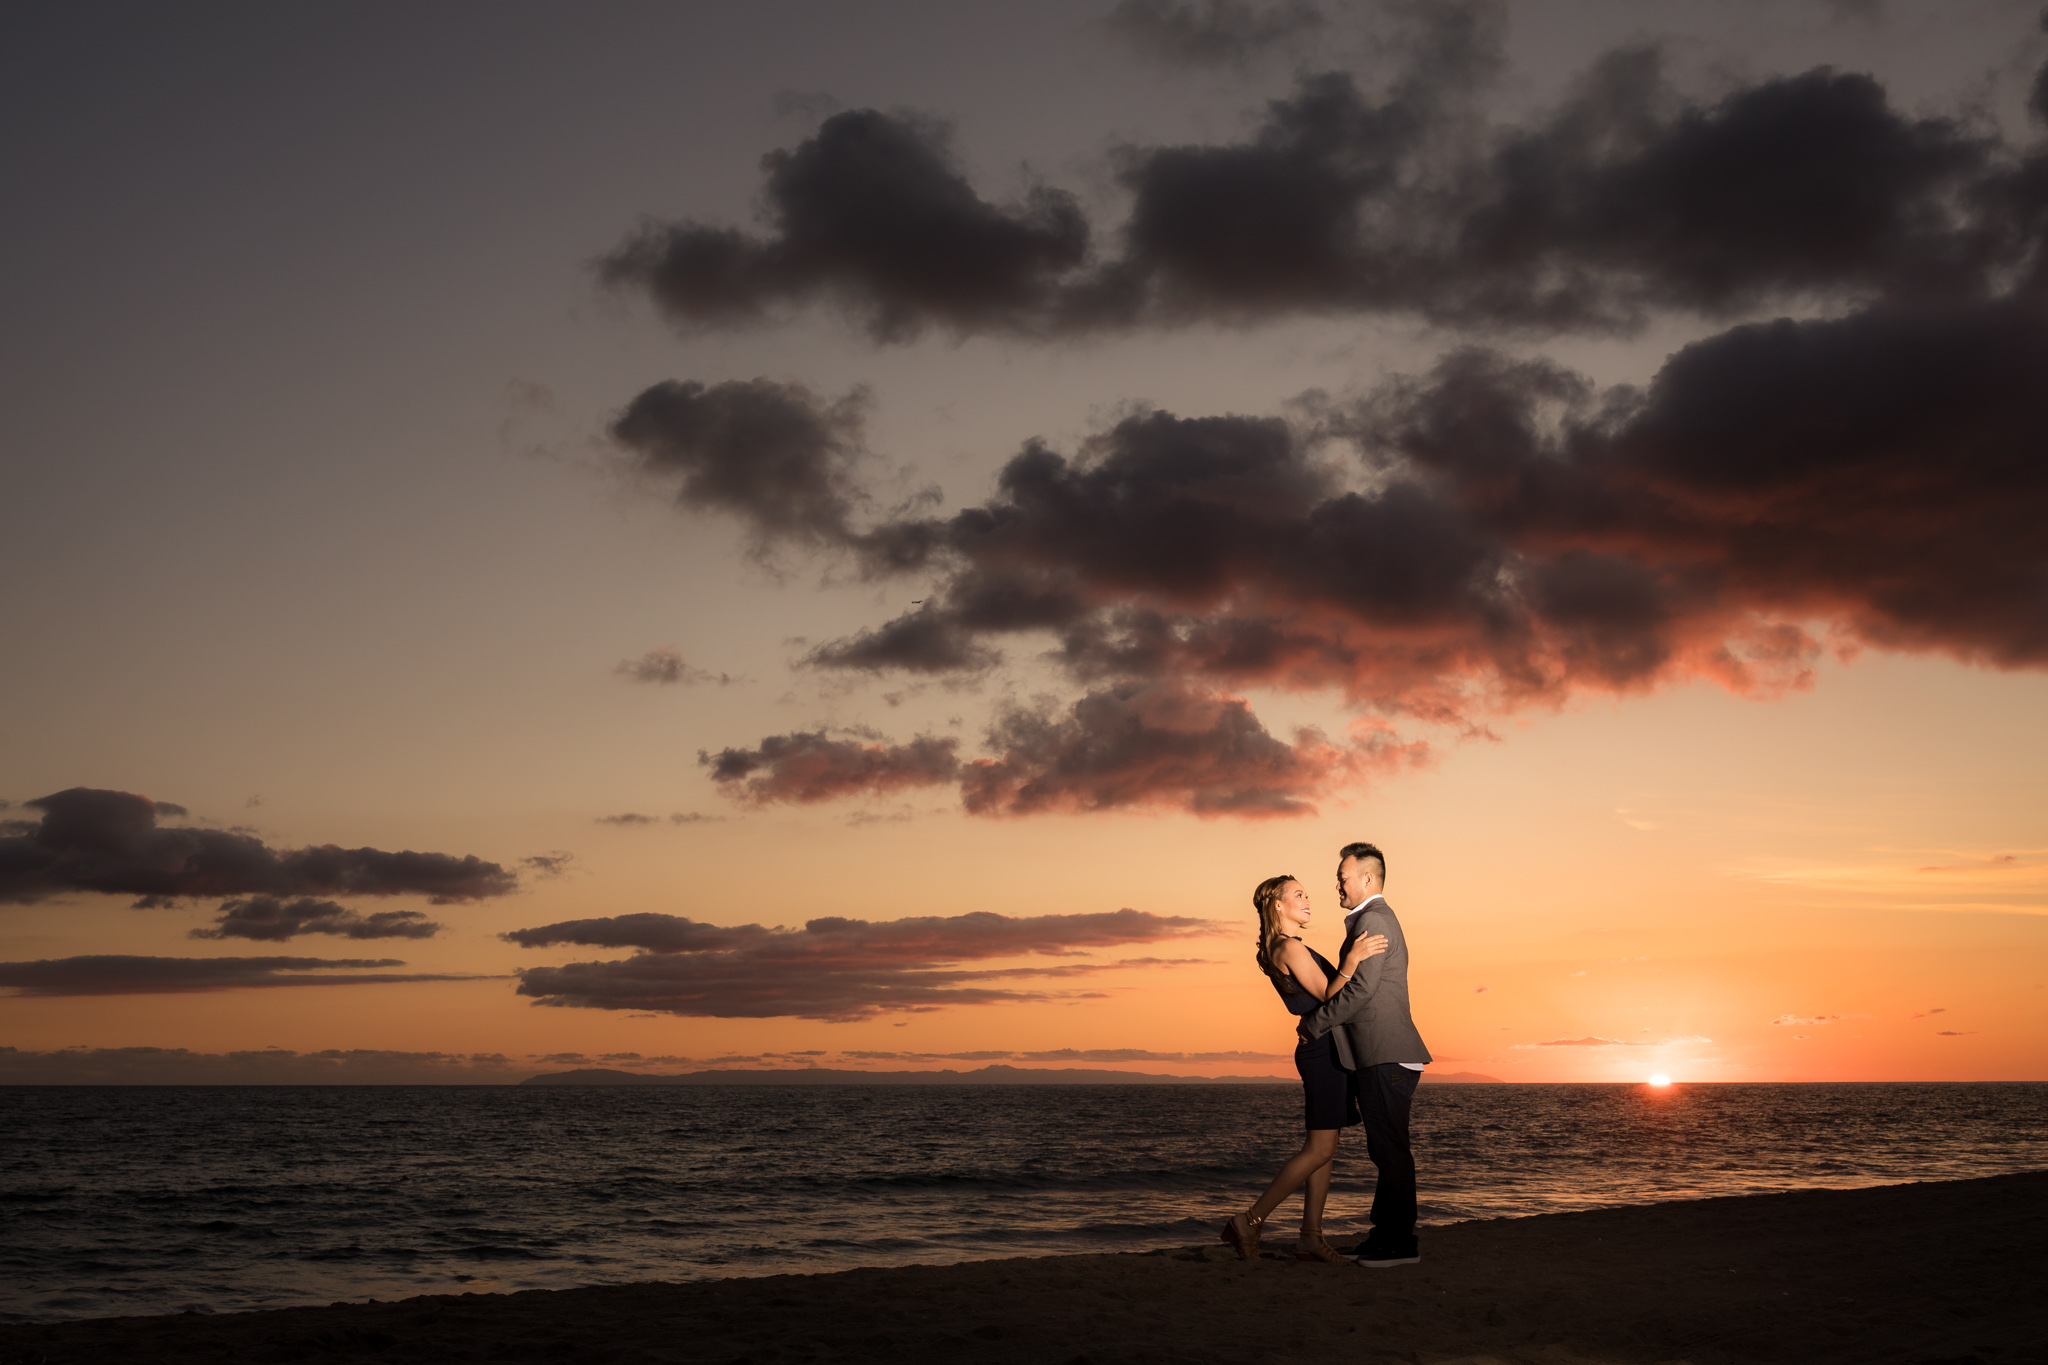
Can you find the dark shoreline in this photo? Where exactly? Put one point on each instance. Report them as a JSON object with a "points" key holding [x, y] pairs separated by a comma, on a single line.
{"points": [[549, 1080], [1932, 1273]]}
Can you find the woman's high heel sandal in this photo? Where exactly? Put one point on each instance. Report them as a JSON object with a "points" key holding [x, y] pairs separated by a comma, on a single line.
{"points": [[1242, 1232], [1318, 1250]]}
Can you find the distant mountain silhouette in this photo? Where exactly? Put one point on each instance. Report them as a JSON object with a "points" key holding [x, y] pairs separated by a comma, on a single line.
{"points": [[998, 1074]]}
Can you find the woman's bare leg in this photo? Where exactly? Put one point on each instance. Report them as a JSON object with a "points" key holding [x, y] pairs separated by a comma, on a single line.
{"points": [[1315, 1155], [1314, 1198]]}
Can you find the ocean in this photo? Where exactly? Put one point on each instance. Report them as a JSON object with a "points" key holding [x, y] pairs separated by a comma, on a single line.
{"points": [[125, 1200]]}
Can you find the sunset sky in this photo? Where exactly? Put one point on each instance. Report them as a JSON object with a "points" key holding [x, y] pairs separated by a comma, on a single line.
{"points": [[514, 511]]}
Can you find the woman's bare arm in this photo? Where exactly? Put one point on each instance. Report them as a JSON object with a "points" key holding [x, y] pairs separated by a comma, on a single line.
{"points": [[1301, 965], [1294, 955], [1372, 945]]}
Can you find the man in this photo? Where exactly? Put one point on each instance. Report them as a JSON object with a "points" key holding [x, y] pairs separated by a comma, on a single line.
{"points": [[1378, 1044]]}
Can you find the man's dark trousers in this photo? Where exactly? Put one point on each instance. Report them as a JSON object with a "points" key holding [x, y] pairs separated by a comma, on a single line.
{"points": [[1385, 1095]]}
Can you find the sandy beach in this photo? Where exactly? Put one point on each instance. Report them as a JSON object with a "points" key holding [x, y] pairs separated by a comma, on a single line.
{"points": [[1937, 1273]]}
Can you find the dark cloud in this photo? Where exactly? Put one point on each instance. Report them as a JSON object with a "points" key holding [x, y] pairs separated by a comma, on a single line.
{"points": [[655, 933], [723, 986], [1628, 197], [666, 666], [1879, 472], [124, 975], [270, 1066], [547, 864], [1003, 1055], [1139, 1054], [806, 767], [628, 819], [1803, 185], [929, 640], [775, 455], [1211, 33], [268, 919], [109, 842], [1069, 1054], [872, 213], [1226, 549], [1499, 532], [976, 935], [1493, 534], [1136, 743], [1155, 743], [832, 968]]}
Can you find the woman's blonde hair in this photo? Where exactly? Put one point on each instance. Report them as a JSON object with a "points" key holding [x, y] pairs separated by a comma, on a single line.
{"points": [[1266, 900]]}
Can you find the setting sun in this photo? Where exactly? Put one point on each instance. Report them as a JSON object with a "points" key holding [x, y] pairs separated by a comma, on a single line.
{"points": [[1660, 1080]]}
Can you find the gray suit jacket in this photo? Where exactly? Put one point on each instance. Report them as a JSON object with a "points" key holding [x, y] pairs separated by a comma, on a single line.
{"points": [[1370, 1015]]}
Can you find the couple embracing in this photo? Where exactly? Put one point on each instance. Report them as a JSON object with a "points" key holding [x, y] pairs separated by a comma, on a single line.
{"points": [[1359, 1056]]}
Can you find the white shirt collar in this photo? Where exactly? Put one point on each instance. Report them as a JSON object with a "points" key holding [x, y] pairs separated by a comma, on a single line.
{"points": [[1359, 908]]}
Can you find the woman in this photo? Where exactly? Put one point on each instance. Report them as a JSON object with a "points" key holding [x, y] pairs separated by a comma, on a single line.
{"points": [[1304, 978]]}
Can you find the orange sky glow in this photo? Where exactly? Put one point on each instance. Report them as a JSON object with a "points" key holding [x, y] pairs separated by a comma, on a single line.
{"points": [[543, 535]]}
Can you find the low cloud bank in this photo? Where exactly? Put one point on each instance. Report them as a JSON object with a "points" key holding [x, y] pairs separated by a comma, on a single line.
{"points": [[268, 919], [1071, 1054], [831, 969], [122, 974], [111, 843]]}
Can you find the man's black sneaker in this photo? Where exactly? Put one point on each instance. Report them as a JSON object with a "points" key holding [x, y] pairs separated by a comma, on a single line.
{"points": [[1379, 1258]]}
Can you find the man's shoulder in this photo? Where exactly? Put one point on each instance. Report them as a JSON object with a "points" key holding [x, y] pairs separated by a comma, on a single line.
{"points": [[1378, 917]]}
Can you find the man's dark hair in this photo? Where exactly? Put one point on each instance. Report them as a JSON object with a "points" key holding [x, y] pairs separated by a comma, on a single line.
{"points": [[1371, 851]]}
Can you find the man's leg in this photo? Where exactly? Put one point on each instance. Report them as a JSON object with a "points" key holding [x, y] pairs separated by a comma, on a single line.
{"points": [[1386, 1095]]}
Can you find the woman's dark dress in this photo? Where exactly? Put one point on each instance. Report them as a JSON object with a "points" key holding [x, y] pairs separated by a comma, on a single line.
{"points": [[1328, 1100]]}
